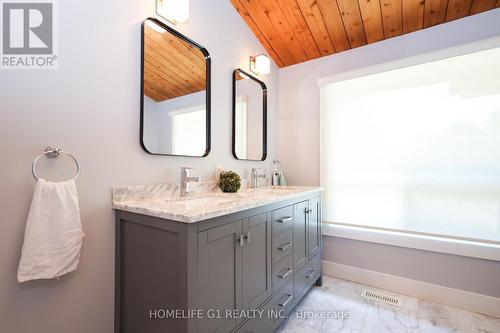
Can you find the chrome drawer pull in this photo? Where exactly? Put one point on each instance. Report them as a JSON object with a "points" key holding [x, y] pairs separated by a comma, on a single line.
{"points": [[241, 240], [284, 275], [284, 219], [284, 246], [248, 237], [285, 303], [309, 274]]}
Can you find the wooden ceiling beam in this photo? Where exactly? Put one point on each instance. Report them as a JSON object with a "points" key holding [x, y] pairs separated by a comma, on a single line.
{"points": [[292, 12], [392, 17], [372, 20], [294, 31], [330, 12], [315, 22], [272, 36], [413, 15], [257, 32], [479, 6], [457, 9], [283, 29], [351, 16], [435, 12]]}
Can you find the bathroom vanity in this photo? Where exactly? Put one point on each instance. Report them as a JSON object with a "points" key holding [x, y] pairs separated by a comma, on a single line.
{"points": [[216, 258]]}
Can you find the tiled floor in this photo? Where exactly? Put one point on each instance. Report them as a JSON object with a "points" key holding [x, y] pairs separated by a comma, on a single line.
{"points": [[414, 316]]}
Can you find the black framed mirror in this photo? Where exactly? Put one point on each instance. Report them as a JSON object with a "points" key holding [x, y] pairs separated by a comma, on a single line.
{"points": [[175, 93], [249, 117]]}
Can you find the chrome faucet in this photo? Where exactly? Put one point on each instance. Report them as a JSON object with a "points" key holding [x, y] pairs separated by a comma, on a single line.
{"points": [[185, 180], [254, 177]]}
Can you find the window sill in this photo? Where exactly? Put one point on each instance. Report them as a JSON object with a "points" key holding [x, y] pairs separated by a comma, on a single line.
{"points": [[474, 249]]}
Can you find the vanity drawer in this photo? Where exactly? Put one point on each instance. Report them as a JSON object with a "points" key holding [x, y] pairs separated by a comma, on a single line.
{"points": [[273, 313], [282, 300], [282, 246], [261, 323], [282, 219], [282, 272], [307, 275]]}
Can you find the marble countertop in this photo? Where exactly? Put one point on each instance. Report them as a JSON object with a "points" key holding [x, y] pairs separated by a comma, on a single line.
{"points": [[164, 201]]}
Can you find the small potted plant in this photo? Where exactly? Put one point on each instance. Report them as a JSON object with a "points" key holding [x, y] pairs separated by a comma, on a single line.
{"points": [[229, 182]]}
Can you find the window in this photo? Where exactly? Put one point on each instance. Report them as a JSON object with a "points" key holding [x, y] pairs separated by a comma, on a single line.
{"points": [[189, 131], [241, 123], [416, 149]]}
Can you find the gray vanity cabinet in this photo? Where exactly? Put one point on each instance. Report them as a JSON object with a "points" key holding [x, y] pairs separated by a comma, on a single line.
{"points": [[307, 245], [264, 258], [234, 268], [300, 235], [219, 271], [314, 228], [256, 261]]}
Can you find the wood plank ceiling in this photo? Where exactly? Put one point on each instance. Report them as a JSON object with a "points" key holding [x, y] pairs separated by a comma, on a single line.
{"points": [[172, 67], [294, 31]]}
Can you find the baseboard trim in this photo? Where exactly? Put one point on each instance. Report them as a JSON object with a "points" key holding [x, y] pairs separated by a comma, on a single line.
{"points": [[432, 292]]}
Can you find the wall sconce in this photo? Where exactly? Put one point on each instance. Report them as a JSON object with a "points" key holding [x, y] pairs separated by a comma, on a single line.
{"points": [[176, 11], [260, 64]]}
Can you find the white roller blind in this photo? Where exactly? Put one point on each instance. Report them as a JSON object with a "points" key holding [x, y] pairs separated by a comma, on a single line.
{"points": [[416, 149]]}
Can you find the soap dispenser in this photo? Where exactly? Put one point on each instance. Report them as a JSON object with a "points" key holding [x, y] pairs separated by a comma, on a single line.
{"points": [[276, 179]]}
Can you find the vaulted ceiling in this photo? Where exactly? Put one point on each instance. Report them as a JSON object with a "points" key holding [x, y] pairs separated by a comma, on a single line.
{"points": [[294, 31]]}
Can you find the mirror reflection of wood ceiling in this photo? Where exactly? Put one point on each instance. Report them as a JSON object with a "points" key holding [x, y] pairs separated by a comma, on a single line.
{"points": [[172, 67]]}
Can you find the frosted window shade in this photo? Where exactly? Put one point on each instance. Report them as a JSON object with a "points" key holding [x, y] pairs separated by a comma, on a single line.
{"points": [[416, 149]]}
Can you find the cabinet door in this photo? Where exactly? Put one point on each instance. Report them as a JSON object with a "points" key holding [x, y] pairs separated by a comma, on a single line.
{"points": [[300, 235], [256, 261], [314, 227], [219, 275]]}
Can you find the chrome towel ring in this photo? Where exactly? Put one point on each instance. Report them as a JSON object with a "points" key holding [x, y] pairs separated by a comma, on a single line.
{"points": [[53, 152]]}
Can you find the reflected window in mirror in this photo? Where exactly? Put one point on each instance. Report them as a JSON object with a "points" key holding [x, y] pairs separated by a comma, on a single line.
{"points": [[175, 90], [249, 117]]}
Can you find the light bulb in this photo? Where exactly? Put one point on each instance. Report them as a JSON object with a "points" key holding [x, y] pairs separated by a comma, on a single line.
{"points": [[176, 11], [260, 64]]}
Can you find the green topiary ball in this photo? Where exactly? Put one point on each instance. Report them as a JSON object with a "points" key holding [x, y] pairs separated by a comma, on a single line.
{"points": [[229, 182]]}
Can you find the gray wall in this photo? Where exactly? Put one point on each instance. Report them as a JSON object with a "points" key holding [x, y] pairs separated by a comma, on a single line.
{"points": [[477, 275], [300, 151], [90, 106]]}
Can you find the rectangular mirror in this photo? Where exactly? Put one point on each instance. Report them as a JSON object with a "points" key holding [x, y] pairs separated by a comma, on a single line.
{"points": [[175, 93], [249, 117]]}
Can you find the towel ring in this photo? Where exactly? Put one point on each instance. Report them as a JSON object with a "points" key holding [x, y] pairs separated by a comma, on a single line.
{"points": [[53, 152]]}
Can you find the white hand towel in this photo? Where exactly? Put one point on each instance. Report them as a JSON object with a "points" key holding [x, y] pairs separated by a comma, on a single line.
{"points": [[53, 235]]}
